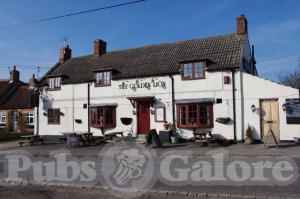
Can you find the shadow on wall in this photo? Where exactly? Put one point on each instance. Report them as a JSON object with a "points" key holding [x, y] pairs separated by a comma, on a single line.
{"points": [[255, 133], [47, 102], [260, 112]]}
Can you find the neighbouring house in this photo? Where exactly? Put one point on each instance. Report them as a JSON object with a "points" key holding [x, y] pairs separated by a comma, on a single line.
{"points": [[17, 104], [209, 83]]}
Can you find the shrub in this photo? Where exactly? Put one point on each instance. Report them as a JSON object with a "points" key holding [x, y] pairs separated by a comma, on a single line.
{"points": [[249, 132]]}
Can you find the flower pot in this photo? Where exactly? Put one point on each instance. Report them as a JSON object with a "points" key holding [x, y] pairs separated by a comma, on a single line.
{"points": [[249, 141], [166, 126]]}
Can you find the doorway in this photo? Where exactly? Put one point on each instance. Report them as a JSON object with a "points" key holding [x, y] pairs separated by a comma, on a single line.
{"points": [[143, 117], [269, 116], [15, 117]]}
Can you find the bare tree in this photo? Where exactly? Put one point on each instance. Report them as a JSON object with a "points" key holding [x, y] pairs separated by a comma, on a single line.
{"points": [[291, 78]]}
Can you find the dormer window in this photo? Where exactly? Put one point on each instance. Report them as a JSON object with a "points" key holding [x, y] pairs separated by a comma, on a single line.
{"points": [[103, 78], [54, 83], [194, 70]]}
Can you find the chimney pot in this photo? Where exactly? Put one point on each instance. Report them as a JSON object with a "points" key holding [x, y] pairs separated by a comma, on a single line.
{"points": [[242, 24], [65, 53], [32, 82], [99, 47], [14, 75]]}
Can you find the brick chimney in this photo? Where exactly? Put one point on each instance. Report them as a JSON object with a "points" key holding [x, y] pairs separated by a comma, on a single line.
{"points": [[99, 47], [14, 75], [242, 25], [32, 82], [65, 53]]}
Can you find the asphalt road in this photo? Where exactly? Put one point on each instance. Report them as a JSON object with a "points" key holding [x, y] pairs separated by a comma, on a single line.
{"points": [[283, 191]]}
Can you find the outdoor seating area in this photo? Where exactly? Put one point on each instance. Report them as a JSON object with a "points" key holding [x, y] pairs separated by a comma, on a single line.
{"points": [[31, 140], [168, 138], [163, 138], [79, 139], [204, 136]]}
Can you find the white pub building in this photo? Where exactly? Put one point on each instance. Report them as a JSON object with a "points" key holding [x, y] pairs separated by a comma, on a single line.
{"points": [[210, 83]]}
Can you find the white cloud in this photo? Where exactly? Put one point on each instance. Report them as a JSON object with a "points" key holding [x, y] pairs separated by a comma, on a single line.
{"points": [[277, 32], [273, 67]]}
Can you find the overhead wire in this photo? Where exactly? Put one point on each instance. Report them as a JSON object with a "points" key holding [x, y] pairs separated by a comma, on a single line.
{"points": [[41, 20]]}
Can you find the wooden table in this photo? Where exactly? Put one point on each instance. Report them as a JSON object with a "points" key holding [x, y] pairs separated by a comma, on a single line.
{"points": [[31, 139], [77, 139], [113, 136], [202, 136]]}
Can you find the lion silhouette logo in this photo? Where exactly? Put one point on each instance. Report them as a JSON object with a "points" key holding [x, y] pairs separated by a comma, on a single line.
{"points": [[130, 164], [127, 169]]}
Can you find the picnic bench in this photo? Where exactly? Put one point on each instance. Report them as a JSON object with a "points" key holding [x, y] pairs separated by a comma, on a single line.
{"points": [[113, 136], [78, 139], [31, 139], [203, 136], [63, 139]]}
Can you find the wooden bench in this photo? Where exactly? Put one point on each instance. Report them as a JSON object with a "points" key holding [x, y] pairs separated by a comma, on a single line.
{"points": [[63, 139], [203, 136], [113, 135], [25, 142], [31, 139]]}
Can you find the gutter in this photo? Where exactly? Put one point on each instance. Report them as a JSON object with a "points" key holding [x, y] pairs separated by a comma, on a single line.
{"points": [[88, 107], [234, 104], [173, 99]]}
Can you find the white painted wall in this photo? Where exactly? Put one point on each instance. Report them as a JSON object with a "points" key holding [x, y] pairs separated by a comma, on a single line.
{"points": [[256, 88], [211, 87], [70, 100]]}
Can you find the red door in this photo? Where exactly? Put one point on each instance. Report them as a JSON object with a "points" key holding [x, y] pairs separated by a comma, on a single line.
{"points": [[143, 117]]}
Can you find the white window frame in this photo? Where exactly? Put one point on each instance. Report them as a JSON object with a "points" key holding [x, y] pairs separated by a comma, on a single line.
{"points": [[2, 118], [54, 83], [103, 78], [28, 117]]}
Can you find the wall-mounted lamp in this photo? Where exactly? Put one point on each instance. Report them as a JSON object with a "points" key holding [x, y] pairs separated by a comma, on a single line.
{"points": [[133, 112], [45, 114], [152, 111], [284, 107], [62, 114], [253, 108]]}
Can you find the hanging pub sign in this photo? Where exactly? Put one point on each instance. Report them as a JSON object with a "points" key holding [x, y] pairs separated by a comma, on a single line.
{"points": [[139, 84], [293, 111]]}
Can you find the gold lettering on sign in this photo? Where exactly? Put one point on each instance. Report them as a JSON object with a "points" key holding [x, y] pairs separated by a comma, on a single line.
{"points": [[139, 84]]}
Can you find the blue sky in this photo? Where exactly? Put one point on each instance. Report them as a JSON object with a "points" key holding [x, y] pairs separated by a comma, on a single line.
{"points": [[274, 29]]}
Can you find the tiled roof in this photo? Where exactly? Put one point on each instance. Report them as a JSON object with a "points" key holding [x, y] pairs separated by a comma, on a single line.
{"points": [[16, 96], [222, 52], [4, 84]]}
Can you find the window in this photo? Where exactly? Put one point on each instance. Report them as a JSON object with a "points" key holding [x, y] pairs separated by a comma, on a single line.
{"points": [[103, 116], [53, 116], [103, 78], [193, 71], [2, 119], [29, 118], [54, 83], [195, 115]]}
